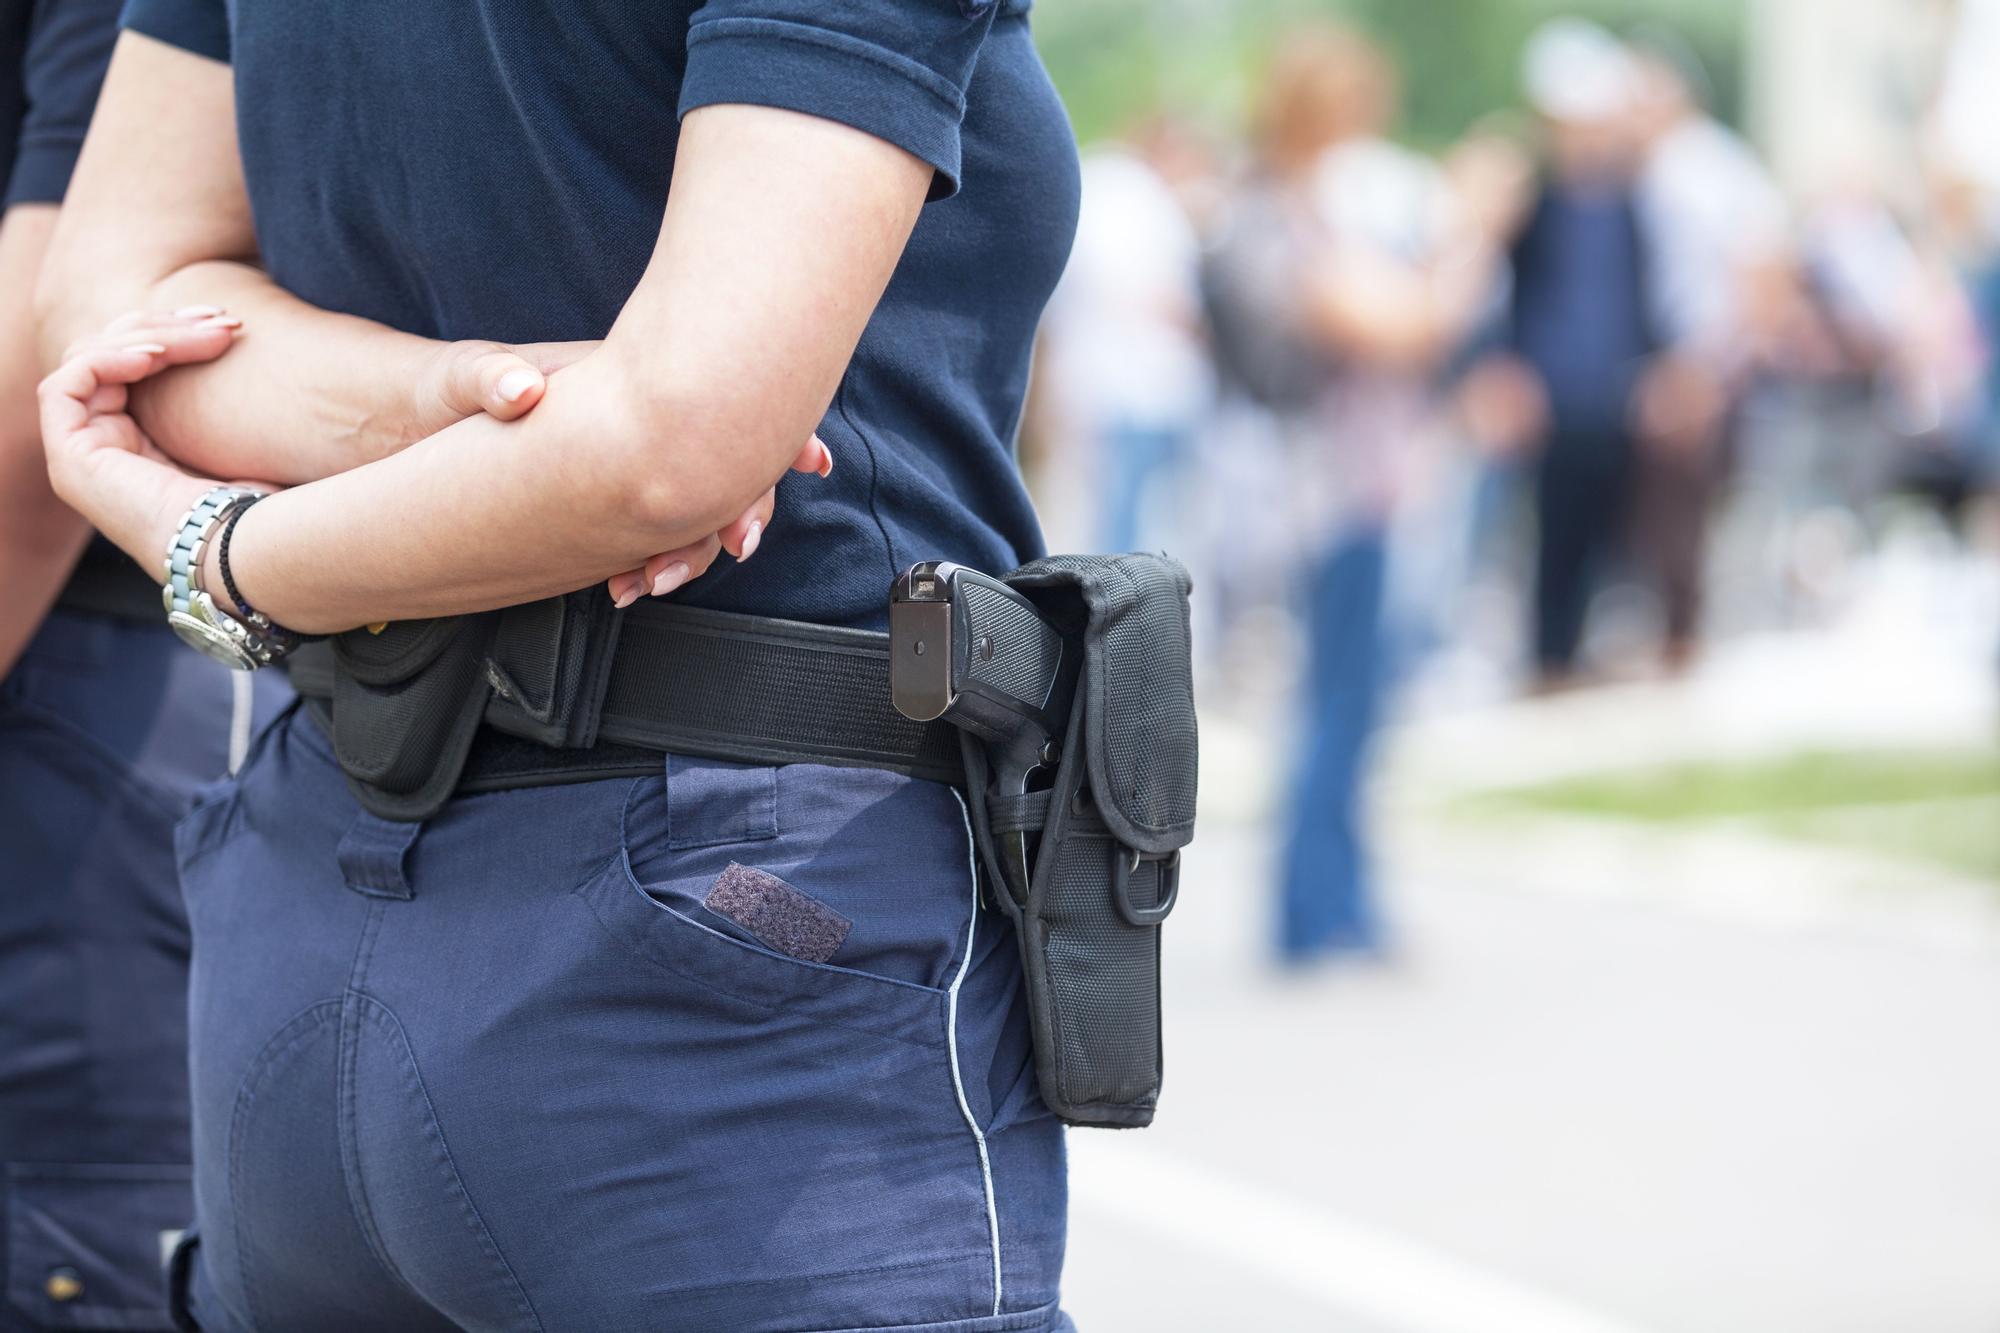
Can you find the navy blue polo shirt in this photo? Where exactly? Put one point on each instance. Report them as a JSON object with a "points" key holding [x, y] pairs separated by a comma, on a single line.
{"points": [[52, 59], [498, 169]]}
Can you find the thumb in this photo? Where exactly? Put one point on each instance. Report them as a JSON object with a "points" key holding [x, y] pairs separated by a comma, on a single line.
{"points": [[485, 377]]}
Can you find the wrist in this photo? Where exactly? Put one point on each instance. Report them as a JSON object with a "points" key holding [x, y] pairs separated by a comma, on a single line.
{"points": [[169, 508]]}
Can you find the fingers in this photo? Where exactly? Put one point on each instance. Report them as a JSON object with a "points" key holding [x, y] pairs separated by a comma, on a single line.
{"points": [[205, 328], [67, 394], [668, 571], [486, 377], [82, 402], [626, 588], [664, 573], [740, 538], [815, 457]]}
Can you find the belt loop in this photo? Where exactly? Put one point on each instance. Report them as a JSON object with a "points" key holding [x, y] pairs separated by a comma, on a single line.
{"points": [[372, 853]]}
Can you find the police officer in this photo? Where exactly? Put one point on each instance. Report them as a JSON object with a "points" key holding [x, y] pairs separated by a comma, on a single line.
{"points": [[108, 726], [611, 1035]]}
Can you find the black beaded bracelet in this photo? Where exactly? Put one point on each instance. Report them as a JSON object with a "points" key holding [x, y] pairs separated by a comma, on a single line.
{"points": [[271, 627]]}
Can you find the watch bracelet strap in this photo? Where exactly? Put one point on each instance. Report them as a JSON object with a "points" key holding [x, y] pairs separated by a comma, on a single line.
{"points": [[183, 563]]}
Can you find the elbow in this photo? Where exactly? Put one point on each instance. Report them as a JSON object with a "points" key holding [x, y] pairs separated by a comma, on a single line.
{"points": [[697, 451]]}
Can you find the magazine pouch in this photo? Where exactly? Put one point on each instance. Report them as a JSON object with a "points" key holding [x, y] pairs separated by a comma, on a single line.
{"points": [[407, 698], [1089, 866]]}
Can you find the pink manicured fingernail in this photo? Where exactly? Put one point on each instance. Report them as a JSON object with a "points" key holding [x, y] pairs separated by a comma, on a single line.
{"points": [[150, 349], [673, 576], [515, 383], [627, 590], [220, 322], [197, 311], [825, 461], [751, 536]]}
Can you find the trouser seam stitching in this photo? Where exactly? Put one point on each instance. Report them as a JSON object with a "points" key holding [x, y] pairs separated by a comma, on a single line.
{"points": [[345, 1097], [266, 1060], [385, 1017]]}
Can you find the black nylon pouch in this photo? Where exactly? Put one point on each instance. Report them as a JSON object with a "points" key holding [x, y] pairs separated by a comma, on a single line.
{"points": [[1105, 868], [548, 665], [406, 703]]}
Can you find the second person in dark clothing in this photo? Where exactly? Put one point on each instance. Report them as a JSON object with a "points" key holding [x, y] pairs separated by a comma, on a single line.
{"points": [[1581, 325]]}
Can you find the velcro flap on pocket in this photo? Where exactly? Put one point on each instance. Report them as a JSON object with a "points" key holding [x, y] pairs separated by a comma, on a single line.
{"points": [[782, 918]]}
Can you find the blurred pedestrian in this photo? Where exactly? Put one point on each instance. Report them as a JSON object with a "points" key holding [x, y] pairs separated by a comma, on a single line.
{"points": [[1125, 349], [1713, 221], [1581, 323], [1346, 274]]}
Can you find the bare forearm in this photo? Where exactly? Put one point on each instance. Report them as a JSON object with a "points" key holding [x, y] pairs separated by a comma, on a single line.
{"points": [[781, 232], [489, 514], [40, 536], [40, 540], [304, 394], [1401, 317]]}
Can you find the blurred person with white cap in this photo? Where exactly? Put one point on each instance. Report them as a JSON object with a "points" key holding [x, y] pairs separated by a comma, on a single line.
{"points": [[1582, 328]]}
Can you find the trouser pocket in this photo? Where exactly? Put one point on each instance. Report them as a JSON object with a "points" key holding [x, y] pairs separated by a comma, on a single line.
{"points": [[87, 1244]]}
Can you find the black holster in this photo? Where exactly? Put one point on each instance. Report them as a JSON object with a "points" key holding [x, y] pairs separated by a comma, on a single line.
{"points": [[1089, 868]]}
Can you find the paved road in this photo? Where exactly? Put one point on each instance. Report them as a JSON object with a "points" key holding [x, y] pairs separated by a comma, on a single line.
{"points": [[1554, 1114]]}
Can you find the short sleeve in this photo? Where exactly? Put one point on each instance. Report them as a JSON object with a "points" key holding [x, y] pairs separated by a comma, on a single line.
{"points": [[897, 69], [62, 67], [200, 27]]}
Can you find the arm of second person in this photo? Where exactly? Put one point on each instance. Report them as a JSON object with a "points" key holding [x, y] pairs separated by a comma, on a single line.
{"points": [[158, 218]]}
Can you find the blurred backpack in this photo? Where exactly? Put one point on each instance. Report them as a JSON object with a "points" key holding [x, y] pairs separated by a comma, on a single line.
{"points": [[1245, 297]]}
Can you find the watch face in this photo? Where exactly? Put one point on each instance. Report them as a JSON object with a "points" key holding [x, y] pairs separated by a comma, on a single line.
{"points": [[210, 641]]}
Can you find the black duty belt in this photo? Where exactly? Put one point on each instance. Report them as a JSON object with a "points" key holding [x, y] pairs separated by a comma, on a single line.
{"points": [[704, 683]]}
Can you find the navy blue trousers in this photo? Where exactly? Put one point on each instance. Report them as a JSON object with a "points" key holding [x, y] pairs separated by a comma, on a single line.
{"points": [[726, 1048], [107, 730]]}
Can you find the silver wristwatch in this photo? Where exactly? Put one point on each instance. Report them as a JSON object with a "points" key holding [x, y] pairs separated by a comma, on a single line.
{"points": [[192, 613]]}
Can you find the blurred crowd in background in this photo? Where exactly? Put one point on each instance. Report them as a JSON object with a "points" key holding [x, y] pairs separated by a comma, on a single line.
{"points": [[1491, 418]]}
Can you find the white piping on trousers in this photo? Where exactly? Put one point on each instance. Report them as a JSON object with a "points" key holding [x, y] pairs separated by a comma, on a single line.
{"points": [[951, 1035], [242, 708]]}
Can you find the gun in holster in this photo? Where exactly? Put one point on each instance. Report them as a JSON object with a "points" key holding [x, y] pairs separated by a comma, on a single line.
{"points": [[1070, 680]]}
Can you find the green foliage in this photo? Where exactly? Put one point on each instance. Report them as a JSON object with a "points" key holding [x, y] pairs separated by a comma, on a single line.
{"points": [[1114, 60]]}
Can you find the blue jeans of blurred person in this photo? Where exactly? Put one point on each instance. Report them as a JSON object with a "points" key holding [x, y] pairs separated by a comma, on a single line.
{"points": [[1327, 904], [1137, 461]]}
